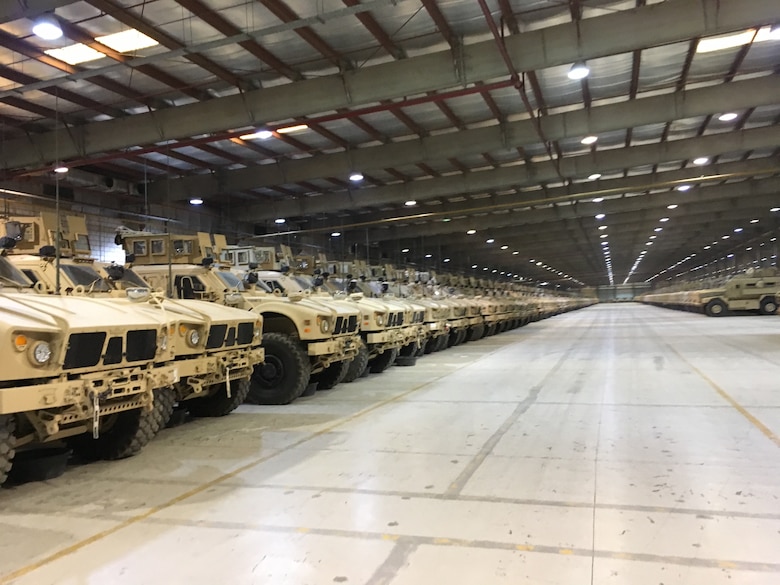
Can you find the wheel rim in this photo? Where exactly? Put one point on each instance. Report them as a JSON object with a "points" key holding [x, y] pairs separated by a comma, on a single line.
{"points": [[716, 309], [271, 372], [770, 307]]}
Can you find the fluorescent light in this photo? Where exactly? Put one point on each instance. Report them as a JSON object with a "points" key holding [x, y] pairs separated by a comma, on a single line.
{"points": [[60, 169], [594, 176], [684, 188], [702, 160], [739, 39], [603, 227], [579, 71], [47, 28], [290, 129], [410, 203], [446, 260], [775, 209], [658, 229], [261, 134], [600, 216], [489, 241], [728, 117], [598, 200], [515, 253], [127, 41], [335, 234], [737, 230], [196, 201], [405, 250], [429, 255], [664, 219], [355, 177], [75, 54], [753, 221], [672, 206], [473, 265], [653, 237], [603, 236], [505, 247], [471, 232], [589, 140], [280, 220]]}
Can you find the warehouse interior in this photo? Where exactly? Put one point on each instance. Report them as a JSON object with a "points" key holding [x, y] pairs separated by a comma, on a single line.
{"points": [[599, 149]]}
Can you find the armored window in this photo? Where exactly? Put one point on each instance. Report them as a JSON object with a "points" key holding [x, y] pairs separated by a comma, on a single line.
{"points": [[243, 258], [81, 244], [85, 276], [139, 247], [158, 247], [231, 280], [182, 247]]}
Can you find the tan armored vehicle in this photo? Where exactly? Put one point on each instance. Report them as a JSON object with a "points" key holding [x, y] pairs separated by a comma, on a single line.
{"points": [[756, 290], [301, 337], [74, 368], [217, 348]]}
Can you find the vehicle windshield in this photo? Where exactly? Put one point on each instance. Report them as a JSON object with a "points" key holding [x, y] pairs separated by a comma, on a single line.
{"points": [[304, 282], [131, 279], [231, 280], [85, 276], [11, 275]]}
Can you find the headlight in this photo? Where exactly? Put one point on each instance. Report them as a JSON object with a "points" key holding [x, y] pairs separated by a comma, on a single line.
{"points": [[40, 353], [380, 318], [193, 337], [324, 324]]}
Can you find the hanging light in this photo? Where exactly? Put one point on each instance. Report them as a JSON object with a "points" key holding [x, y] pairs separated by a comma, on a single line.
{"points": [[47, 28], [579, 70], [196, 201], [280, 221], [356, 177], [60, 168]]}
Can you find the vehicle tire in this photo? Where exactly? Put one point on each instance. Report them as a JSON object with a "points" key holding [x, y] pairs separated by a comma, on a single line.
{"points": [[454, 338], [331, 376], [406, 360], [421, 348], [475, 332], [463, 334], [358, 363], [430, 345], [768, 306], [285, 373], [441, 344], [7, 445], [128, 431], [409, 350], [219, 403], [715, 308], [383, 361]]}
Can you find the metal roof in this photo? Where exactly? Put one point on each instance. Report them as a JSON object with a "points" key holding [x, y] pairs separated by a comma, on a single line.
{"points": [[464, 106]]}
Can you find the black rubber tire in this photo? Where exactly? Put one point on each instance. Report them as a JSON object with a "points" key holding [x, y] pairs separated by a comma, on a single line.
{"points": [[383, 361], [409, 350], [768, 306], [453, 338], [442, 342], [358, 363], [219, 403], [285, 373], [331, 376], [430, 345], [715, 308], [130, 432], [7, 445], [405, 360], [475, 332], [421, 348]]}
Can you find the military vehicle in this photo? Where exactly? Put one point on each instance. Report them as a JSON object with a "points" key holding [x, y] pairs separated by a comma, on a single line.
{"points": [[214, 363], [301, 337], [756, 290], [74, 368]]}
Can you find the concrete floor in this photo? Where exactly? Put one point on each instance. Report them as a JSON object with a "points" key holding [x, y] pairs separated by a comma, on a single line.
{"points": [[620, 444]]}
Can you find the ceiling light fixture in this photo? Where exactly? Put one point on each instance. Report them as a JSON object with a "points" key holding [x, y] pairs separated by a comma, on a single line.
{"points": [[127, 41], [578, 71], [731, 41], [753, 221], [672, 206], [429, 255], [663, 219], [261, 134], [196, 201], [446, 260], [410, 203], [598, 200], [280, 220], [603, 227], [684, 188], [291, 129], [588, 140], [728, 117], [702, 160], [504, 247], [473, 265], [75, 54], [335, 234], [489, 241], [515, 253], [61, 169], [356, 177], [47, 27], [471, 232], [601, 216], [594, 176], [405, 250]]}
